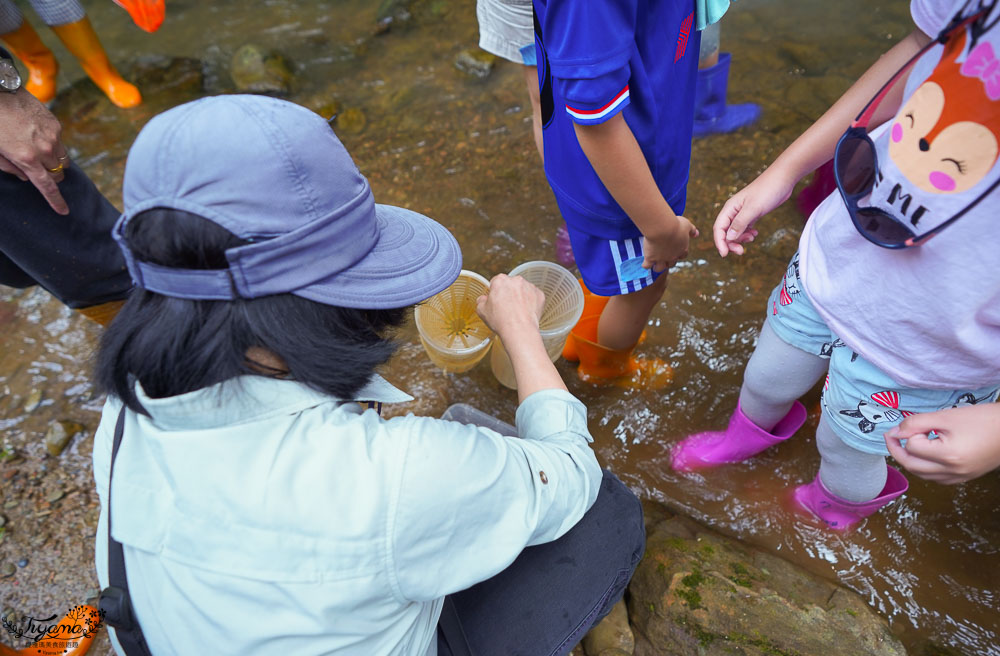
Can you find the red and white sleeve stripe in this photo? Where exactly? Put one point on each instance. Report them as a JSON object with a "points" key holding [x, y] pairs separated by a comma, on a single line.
{"points": [[596, 114]]}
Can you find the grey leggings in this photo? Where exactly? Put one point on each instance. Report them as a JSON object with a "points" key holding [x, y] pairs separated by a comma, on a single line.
{"points": [[52, 12], [775, 377]]}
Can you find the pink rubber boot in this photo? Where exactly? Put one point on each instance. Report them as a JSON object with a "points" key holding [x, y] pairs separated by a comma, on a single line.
{"points": [[741, 439], [840, 514]]}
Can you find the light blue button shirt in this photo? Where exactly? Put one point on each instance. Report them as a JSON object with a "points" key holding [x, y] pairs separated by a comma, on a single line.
{"points": [[262, 517]]}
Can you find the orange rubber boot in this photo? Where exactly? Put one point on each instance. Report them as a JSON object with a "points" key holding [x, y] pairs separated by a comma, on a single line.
{"points": [[71, 636], [42, 66], [593, 305], [82, 41], [599, 364], [147, 14]]}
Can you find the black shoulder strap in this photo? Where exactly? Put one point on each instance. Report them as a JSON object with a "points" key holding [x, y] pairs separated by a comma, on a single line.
{"points": [[114, 600], [451, 636]]}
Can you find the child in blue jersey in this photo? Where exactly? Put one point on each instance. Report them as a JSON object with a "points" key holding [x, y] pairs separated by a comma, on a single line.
{"points": [[617, 81]]}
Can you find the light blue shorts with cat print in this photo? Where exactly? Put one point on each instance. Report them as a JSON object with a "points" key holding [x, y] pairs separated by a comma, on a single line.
{"points": [[859, 400]]}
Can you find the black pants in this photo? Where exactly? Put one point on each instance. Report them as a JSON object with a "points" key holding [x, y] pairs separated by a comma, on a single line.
{"points": [[550, 596], [73, 257]]}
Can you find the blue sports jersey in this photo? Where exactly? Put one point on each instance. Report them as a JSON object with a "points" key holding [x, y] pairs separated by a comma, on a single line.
{"points": [[597, 58]]}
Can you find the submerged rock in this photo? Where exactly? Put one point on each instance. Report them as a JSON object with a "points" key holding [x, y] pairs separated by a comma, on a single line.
{"points": [[33, 401], [392, 11], [157, 74], [475, 62], [323, 104], [351, 121], [697, 592], [59, 435], [256, 70]]}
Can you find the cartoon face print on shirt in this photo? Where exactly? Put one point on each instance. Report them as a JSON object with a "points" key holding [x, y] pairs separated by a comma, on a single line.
{"points": [[946, 137]]}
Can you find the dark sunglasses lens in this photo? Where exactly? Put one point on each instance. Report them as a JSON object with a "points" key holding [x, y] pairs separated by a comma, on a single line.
{"points": [[882, 227], [855, 164]]}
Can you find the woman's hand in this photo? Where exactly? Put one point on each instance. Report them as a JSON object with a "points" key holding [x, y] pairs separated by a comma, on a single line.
{"points": [[512, 309], [966, 447], [734, 225], [513, 305]]}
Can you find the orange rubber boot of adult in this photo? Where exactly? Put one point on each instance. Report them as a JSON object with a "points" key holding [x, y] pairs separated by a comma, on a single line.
{"points": [[82, 41], [71, 636], [593, 306], [147, 14], [42, 66], [599, 364]]}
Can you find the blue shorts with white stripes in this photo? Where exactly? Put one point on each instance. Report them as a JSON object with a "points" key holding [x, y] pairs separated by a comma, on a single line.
{"points": [[598, 259]]}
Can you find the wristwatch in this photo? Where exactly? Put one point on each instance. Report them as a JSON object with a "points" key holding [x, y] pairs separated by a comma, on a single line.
{"points": [[10, 79]]}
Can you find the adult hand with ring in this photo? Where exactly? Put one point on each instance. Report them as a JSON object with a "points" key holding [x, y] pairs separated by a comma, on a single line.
{"points": [[58, 169], [30, 146]]}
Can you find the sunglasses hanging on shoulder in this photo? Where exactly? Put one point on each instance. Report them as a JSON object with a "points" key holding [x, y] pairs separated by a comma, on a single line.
{"points": [[855, 161]]}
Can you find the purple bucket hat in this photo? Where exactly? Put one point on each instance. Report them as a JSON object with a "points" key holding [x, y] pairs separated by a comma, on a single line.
{"points": [[275, 174]]}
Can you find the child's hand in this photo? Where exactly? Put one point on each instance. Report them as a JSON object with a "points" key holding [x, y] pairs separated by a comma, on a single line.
{"points": [[512, 305], [734, 225], [663, 251], [967, 445]]}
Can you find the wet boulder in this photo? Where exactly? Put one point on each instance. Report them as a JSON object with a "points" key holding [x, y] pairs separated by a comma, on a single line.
{"points": [[698, 592], [256, 70]]}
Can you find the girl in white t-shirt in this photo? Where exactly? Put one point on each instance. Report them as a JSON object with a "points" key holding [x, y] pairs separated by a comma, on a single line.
{"points": [[900, 324]]}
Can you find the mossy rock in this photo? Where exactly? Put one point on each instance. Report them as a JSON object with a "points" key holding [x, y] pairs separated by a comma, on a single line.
{"points": [[697, 592], [475, 62]]}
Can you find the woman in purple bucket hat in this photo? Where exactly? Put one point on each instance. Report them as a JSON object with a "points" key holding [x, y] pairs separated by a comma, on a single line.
{"points": [[249, 505]]}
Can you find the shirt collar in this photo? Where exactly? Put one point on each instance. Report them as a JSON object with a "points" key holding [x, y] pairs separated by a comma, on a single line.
{"points": [[250, 398]]}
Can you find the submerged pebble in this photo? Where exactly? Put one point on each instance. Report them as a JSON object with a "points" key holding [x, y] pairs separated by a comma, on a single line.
{"points": [[33, 401], [59, 435], [256, 70], [351, 121], [475, 62]]}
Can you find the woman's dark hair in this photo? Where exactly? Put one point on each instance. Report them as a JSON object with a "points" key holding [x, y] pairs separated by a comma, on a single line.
{"points": [[173, 345]]}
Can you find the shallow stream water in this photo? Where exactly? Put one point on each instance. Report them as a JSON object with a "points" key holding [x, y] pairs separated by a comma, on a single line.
{"points": [[459, 148]]}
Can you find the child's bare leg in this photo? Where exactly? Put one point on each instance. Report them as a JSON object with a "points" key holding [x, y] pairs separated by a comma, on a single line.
{"points": [[531, 80], [708, 56], [625, 316]]}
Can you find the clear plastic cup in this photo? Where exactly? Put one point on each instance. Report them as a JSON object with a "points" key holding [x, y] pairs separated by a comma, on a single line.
{"points": [[452, 334], [563, 307]]}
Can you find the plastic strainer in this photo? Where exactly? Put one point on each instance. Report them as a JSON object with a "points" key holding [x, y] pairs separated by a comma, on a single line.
{"points": [[563, 307], [453, 335]]}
